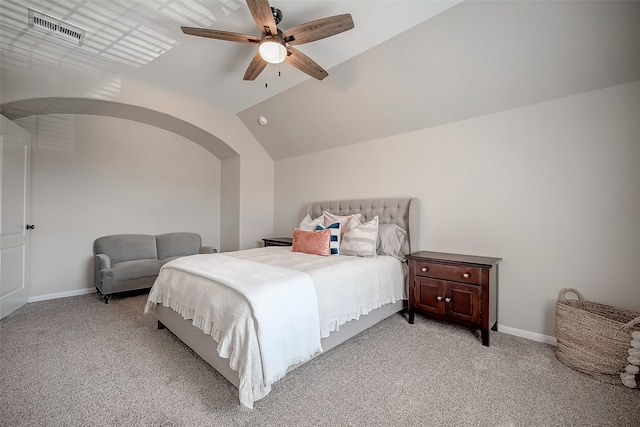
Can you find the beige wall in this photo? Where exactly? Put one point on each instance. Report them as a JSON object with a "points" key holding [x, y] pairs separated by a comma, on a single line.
{"points": [[251, 175], [60, 165], [93, 176], [552, 188]]}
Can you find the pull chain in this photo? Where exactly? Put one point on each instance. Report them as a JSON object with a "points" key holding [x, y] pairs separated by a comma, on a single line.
{"points": [[266, 76]]}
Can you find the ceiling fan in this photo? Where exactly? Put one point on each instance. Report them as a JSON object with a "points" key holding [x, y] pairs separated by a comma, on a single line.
{"points": [[274, 45]]}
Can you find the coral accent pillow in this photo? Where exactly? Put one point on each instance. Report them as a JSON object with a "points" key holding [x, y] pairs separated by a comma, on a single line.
{"points": [[312, 242]]}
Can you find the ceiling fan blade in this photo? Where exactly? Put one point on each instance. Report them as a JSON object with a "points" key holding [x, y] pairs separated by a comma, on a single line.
{"points": [[305, 64], [255, 67], [262, 14], [220, 35], [318, 29]]}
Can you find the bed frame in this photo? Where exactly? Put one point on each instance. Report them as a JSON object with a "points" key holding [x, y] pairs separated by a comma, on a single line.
{"points": [[390, 211]]}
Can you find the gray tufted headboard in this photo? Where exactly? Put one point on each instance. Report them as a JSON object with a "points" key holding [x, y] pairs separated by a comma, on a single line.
{"points": [[403, 212]]}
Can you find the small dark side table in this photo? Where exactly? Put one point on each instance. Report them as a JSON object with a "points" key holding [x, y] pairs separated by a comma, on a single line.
{"points": [[278, 241]]}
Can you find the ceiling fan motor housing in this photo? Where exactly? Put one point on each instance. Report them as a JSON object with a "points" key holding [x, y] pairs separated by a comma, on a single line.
{"points": [[277, 15]]}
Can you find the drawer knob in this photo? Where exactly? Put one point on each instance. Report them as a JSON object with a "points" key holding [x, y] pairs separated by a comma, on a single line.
{"points": [[447, 299], [465, 275], [425, 269]]}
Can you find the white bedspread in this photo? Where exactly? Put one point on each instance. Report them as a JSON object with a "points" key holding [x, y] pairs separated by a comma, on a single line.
{"points": [[346, 287], [281, 301]]}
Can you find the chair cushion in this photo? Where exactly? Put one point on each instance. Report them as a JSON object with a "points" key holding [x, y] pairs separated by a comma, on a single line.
{"points": [[131, 270], [178, 244]]}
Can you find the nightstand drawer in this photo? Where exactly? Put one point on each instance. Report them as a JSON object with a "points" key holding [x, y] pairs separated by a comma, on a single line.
{"points": [[464, 274]]}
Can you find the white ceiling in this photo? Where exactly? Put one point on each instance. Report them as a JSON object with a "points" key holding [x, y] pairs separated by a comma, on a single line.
{"points": [[141, 40], [407, 65]]}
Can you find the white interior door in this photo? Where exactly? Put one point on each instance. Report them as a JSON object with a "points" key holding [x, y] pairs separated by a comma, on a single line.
{"points": [[15, 164]]}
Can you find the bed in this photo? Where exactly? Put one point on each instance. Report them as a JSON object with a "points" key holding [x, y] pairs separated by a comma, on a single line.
{"points": [[305, 304]]}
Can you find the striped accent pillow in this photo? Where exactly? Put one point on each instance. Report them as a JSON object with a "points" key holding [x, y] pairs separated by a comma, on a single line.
{"points": [[335, 236], [361, 238]]}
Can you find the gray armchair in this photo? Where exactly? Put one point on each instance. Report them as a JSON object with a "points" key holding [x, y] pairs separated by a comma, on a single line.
{"points": [[127, 262]]}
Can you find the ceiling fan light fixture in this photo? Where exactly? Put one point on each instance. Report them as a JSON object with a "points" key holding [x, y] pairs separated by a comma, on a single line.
{"points": [[272, 50], [275, 45]]}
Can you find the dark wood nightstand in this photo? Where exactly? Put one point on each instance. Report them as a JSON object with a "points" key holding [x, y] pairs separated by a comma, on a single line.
{"points": [[460, 289], [278, 241]]}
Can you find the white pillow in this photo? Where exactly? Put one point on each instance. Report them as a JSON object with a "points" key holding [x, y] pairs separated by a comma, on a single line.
{"points": [[330, 218], [392, 240], [335, 236], [361, 238], [308, 224]]}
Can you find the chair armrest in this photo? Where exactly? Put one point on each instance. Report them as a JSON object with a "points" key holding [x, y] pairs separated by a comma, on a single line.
{"points": [[102, 261], [208, 250]]}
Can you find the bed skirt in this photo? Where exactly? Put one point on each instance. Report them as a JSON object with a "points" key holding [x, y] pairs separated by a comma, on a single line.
{"points": [[205, 346]]}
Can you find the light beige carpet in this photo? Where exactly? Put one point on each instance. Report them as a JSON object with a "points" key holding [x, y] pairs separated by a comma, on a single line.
{"points": [[79, 362]]}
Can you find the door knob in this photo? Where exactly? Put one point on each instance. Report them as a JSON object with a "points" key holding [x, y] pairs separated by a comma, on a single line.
{"points": [[30, 226]]}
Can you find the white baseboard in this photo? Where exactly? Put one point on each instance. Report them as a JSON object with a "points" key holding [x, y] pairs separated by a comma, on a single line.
{"points": [[65, 294], [534, 336]]}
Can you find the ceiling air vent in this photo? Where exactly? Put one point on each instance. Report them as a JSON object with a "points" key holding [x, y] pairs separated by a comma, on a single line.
{"points": [[50, 25]]}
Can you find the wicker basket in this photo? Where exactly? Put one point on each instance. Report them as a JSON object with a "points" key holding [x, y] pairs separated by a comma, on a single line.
{"points": [[594, 338]]}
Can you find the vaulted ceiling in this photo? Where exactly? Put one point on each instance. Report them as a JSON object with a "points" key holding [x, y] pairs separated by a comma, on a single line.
{"points": [[406, 65], [473, 59]]}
